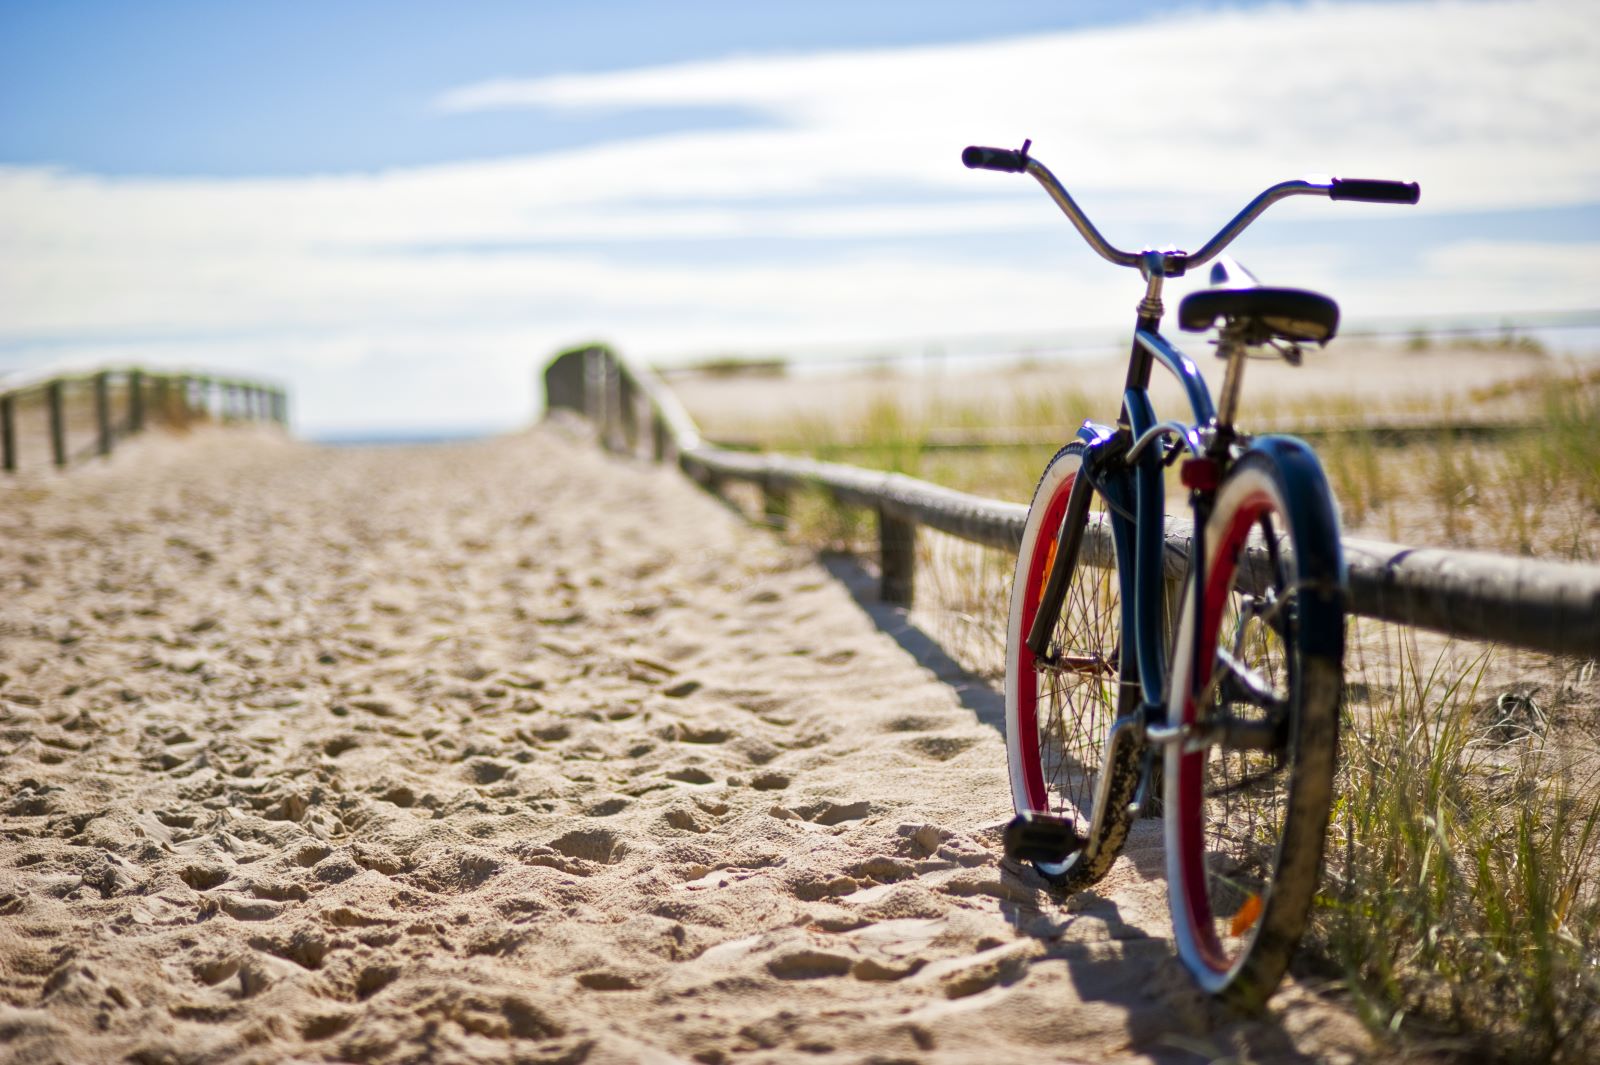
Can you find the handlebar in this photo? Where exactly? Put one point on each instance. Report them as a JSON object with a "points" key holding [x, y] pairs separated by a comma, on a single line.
{"points": [[1375, 191], [1174, 264], [996, 158]]}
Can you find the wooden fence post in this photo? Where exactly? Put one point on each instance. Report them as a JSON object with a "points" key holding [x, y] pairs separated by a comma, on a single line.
{"points": [[775, 502], [611, 431], [594, 388], [658, 438], [102, 410], [135, 401], [160, 398], [56, 398], [628, 412], [897, 558], [8, 433]]}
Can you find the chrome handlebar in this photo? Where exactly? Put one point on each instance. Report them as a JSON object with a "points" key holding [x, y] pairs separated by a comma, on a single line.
{"points": [[1172, 263], [1175, 263]]}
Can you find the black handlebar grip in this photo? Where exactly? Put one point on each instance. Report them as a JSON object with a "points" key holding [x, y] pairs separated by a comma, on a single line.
{"points": [[1372, 190], [995, 159]]}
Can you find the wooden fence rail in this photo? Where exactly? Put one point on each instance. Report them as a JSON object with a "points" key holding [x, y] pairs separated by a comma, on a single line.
{"points": [[126, 400], [1394, 430], [1543, 606]]}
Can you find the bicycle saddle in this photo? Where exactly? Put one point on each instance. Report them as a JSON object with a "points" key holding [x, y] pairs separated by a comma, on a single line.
{"points": [[1267, 313]]}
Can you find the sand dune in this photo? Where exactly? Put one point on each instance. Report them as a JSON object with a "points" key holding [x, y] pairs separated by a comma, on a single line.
{"points": [[516, 752]]}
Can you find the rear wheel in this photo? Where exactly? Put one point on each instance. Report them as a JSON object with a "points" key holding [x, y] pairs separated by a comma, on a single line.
{"points": [[1248, 790], [1060, 711]]}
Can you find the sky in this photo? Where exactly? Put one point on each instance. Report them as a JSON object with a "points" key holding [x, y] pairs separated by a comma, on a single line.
{"points": [[402, 210]]}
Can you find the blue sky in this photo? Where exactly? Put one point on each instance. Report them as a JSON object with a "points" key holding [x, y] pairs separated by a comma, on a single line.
{"points": [[403, 208], [209, 88]]}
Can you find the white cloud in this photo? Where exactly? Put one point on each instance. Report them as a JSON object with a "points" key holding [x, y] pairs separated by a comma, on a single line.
{"points": [[1161, 129], [1481, 96]]}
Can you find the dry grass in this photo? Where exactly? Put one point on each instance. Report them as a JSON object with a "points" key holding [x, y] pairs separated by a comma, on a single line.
{"points": [[1459, 903], [1532, 493], [1535, 493]]}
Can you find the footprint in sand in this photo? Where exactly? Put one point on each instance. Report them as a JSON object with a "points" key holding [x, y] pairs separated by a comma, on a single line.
{"points": [[325, 1025], [809, 965], [372, 979], [307, 948], [203, 877], [607, 980], [686, 821], [684, 732], [833, 813], [915, 723], [940, 748], [591, 845]]}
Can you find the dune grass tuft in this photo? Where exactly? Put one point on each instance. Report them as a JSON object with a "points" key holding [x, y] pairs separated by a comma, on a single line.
{"points": [[1459, 896]]}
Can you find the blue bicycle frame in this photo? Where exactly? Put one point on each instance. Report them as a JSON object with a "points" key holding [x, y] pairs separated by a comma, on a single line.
{"points": [[1137, 498]]}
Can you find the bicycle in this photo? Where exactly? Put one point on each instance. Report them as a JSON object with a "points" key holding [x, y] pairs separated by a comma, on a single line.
{"points": [[1237, 728]]}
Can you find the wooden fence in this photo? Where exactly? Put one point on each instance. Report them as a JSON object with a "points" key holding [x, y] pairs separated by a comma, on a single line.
{"points": [[1393, 430], [106, 405], [1543, 606]]}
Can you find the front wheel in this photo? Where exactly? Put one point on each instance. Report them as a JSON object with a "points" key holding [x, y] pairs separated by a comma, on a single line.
{"points": [[1066, 757], [1256, 677]]}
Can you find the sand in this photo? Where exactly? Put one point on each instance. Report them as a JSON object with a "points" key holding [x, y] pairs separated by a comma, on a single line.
{"points": [[516, 751]]}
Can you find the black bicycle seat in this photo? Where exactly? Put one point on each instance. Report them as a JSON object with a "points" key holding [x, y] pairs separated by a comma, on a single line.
{"points": [[1269, 313]]}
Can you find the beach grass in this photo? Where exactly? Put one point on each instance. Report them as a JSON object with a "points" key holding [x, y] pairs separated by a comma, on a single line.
{"points": [[1527, 492], [1459, 904]]}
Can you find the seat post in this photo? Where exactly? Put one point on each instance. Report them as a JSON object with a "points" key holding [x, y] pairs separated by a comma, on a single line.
{"points": [[1231, 346]]}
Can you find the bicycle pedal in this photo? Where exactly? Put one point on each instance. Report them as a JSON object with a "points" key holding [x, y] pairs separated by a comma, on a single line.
{"points": [[1034, 837]]}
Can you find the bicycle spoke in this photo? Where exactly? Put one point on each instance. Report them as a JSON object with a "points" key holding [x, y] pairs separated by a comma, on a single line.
{"points": [[1244, 783]]}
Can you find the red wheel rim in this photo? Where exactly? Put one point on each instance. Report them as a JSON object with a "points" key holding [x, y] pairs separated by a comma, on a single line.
{"points": [[1191, 767], [1027, 683]]}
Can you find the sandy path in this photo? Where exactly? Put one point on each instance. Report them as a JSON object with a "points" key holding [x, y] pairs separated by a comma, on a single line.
{"points": [[513, 751]]}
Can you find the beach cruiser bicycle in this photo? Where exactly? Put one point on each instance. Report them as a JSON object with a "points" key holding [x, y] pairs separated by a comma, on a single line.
{"points": [[1232, 728]]}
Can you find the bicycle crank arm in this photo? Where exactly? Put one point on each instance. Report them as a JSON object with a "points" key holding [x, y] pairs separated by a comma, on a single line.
{"points": [[1232, 735]]}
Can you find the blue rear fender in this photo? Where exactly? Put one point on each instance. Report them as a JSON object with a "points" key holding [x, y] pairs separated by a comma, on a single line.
{"points": [[1314, 523]]}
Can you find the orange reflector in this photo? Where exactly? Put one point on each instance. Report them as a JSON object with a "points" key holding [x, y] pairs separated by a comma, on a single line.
{"points": [[1049, 564], [1247, 916]]}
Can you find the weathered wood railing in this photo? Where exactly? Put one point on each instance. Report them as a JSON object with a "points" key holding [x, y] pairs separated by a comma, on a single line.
{"points": [[1543, 606], [124, 401], [1394, 430]]}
